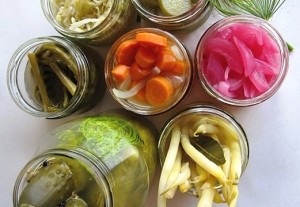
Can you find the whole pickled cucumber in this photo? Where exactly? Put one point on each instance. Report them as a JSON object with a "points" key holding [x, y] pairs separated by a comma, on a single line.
{"points": [[52, 185]]}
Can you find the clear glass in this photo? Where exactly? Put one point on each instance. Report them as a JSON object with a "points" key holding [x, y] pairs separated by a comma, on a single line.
{"points": [[112, 159], [141, 107], [90, 85], [119, 19], [223, 24], [192, 115], [187, 21]]}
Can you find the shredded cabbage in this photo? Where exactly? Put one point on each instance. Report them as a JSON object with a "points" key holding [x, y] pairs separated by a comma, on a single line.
{"points": [[81, 15]]}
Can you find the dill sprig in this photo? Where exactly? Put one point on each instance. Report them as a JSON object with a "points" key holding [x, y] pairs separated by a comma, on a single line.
{"points": [[261, 8]]}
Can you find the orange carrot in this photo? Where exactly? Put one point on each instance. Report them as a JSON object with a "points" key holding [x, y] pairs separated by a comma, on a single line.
{"points": [[159, 90], [138, 73], [120, 72], [141, 95], [145, 58], [125, 53], [151, 39], [165, 60], [179, 67]]}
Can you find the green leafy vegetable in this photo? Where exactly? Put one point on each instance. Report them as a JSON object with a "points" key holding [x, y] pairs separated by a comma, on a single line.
{"points": [[102, 135], [260, 8], [209, 147]]}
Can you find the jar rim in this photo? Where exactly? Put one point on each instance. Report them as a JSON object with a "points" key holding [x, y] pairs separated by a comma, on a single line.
{"points": [[205, 109], [46, 7], [15, 64], [172, 22], [138, 108], [248, 19], [96, 167]]}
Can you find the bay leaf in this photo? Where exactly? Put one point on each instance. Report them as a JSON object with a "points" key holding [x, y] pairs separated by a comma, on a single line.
{"points": [[209, 148]]}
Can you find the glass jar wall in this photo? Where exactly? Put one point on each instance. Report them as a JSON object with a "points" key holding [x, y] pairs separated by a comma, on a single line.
{"points": [[106, 160]]}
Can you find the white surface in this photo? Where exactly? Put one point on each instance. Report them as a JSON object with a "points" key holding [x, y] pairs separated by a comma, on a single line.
{"points": [[272, 176]]}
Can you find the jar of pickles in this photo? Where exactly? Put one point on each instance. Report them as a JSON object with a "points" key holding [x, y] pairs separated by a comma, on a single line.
{"points": [[90, 22], [52, 77], [241, 60], [181, 15], [101, 161], [204, 151], [148, 71]]}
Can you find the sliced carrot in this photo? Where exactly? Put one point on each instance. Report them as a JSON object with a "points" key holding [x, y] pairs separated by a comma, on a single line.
{"points": [[179, 67], [159, 90], [151, 39], [141, 95], [145, 57], [125, 53], [120, 72], [165, 60], [138, 73]]}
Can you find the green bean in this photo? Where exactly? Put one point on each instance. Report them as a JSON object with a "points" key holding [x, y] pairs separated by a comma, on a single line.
{"points": [[60, 53], [168, 165], [173, 175], [39, 80], [208, 193], [63, 78], [202, 160]]}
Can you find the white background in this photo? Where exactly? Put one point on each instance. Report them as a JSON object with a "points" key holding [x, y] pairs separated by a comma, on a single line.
{"points": [[272, 176]]}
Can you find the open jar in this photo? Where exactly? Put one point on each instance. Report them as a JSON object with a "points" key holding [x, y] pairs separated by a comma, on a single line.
{"points": [[241, 60], [168, 15], [51, 77], [101, 161], [208, 149], [148, 71], [90, 22]]}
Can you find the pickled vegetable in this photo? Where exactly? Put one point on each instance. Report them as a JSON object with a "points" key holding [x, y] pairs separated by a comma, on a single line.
{"points": [[210, 165], [170, 7], [83, 15], [124, 145], [241, 61], [55, 74], [148, 70], [56, 182]]}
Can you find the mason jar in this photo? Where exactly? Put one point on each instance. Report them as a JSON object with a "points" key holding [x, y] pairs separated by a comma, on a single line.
{"points": [[132, 92], [52, 77], [186, 20], [241, 60], [106, 160], [93, 22], [212, 132]]}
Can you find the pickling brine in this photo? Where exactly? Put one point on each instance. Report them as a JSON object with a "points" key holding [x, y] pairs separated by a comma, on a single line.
{"points": [[242, 59], [101, 161]]}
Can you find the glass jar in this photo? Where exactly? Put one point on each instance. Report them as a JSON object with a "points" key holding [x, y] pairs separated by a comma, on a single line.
{"points": [[106, 160], [102, 23], [65, 80], [241, 60], [186, 21], [135, 99], [211, 124]]}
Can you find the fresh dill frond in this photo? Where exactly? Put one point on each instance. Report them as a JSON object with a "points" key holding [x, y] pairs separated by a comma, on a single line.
{"points": [[261, 8]]}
